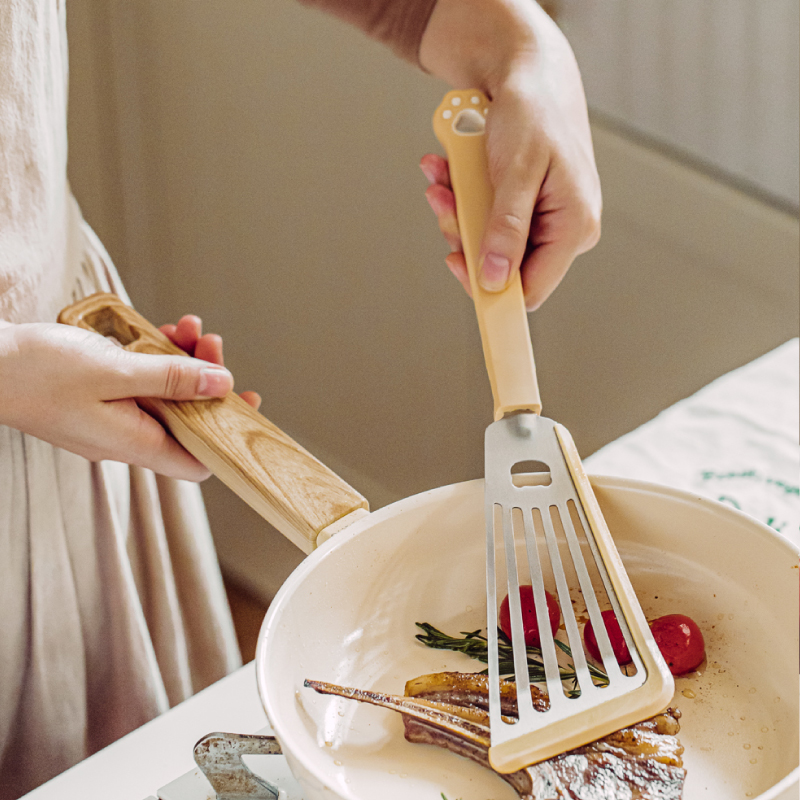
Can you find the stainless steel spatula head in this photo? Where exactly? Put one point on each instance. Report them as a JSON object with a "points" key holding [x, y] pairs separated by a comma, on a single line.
{"points": [[540, 533], [544, 526]]}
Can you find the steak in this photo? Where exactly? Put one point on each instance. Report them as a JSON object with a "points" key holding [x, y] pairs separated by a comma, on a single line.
{"points": [[449, 710]]}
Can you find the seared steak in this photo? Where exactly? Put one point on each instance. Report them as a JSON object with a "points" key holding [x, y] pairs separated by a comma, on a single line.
{"points": [[448, 709]]}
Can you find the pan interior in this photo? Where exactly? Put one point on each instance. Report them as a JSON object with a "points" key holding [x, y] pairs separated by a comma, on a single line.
{"points": [[347, 616]]}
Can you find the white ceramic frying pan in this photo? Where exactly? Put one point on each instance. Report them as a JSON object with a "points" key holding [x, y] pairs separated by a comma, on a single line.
{"points": [[347, 614]]}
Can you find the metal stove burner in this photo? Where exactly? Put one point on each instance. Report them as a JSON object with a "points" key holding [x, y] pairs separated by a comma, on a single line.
{"points": [[219, 756]]}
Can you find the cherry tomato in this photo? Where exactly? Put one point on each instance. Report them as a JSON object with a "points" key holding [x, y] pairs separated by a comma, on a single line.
{"points": [[529, 624], [618, 645], [680, 642]]}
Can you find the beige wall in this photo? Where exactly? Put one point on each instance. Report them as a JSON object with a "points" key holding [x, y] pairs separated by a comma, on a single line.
{"points": [[255, 163]]}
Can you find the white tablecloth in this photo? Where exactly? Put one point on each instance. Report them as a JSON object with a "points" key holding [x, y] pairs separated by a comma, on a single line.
{"points": [[735, 441]]}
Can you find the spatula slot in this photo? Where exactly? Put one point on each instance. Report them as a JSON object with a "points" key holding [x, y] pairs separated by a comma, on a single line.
{"points": [[508, 523], [581, 575], [530, 473], [561, 561], [605, 600]]}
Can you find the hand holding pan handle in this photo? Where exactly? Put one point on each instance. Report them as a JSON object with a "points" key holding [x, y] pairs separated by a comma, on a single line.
{"points": [[284, 483]]}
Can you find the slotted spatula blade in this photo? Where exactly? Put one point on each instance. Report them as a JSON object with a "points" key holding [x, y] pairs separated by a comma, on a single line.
{"points": [[544, 526]]}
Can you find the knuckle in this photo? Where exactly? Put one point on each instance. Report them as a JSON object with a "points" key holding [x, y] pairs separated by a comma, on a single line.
{"points": [[507, 222], [176, 380], [593, 230], [589, 228]]}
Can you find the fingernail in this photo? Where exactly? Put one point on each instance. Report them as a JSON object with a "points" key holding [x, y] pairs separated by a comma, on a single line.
{"points": [[214, 382], [428, 173], [495, 272], [435, 202]]}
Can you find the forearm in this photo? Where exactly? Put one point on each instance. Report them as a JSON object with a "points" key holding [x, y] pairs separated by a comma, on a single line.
{"points": [[483, 43], [397, 23]]}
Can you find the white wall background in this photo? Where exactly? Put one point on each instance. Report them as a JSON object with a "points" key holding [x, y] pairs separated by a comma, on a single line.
{"points": [[719, 80]]}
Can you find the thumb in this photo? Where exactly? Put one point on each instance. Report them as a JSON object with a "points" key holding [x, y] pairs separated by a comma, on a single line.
{"points": [[507, 230], [167, 377]]}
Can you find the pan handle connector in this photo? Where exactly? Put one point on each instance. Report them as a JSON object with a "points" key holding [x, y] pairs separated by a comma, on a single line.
{"points": [[273, 474], [459, 124]]}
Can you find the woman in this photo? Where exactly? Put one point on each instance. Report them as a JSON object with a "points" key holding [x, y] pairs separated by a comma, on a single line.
{"points": [[113, 608]]}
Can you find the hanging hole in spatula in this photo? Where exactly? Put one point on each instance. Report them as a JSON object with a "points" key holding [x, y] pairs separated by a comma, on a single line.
{"points": [[530, 473]]}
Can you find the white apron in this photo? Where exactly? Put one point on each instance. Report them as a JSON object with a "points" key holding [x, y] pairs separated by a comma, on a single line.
{"points": [[111, 604]]}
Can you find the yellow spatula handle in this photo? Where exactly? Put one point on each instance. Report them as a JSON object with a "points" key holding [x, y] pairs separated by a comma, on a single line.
{"points": [[283, 482], [459, 125]]}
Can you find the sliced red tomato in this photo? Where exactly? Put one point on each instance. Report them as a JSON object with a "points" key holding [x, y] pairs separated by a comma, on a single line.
{"points": [[529, 624], [618, 645], [680, 642]]}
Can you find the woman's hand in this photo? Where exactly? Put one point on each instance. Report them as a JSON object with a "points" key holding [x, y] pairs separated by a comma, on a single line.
{"points": [[188, 335], [74, 388], [547, 200]]}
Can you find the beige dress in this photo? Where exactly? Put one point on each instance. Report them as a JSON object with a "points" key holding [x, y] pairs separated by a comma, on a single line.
{"points": [[111, 604]]}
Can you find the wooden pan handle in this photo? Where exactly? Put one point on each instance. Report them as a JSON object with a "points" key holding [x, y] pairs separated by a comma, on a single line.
{"points": [[459, 125], [273, 474]]}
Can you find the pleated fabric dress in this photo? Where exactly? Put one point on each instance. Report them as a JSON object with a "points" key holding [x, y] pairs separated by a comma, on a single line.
{"points": [[112, 608]]}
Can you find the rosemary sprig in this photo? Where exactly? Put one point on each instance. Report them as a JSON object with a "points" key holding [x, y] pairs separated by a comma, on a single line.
{"points": [[476, 646]]}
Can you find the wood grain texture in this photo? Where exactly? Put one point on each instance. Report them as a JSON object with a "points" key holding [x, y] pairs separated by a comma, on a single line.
{"points": [[271, 472], [502, 317]]}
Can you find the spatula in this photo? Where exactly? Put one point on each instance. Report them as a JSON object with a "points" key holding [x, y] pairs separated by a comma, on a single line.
{"points": [[543, 522]]}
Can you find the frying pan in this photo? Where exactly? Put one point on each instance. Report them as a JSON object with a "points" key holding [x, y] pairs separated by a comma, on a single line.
{"points": [[347, 614]]}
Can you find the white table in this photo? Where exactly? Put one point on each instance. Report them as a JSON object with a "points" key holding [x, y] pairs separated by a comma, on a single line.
{"points": [[135, 766], [736, 441]]}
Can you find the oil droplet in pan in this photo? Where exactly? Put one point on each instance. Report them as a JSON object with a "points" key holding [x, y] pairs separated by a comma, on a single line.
{"points": [[689, 693], [746, 746]]}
